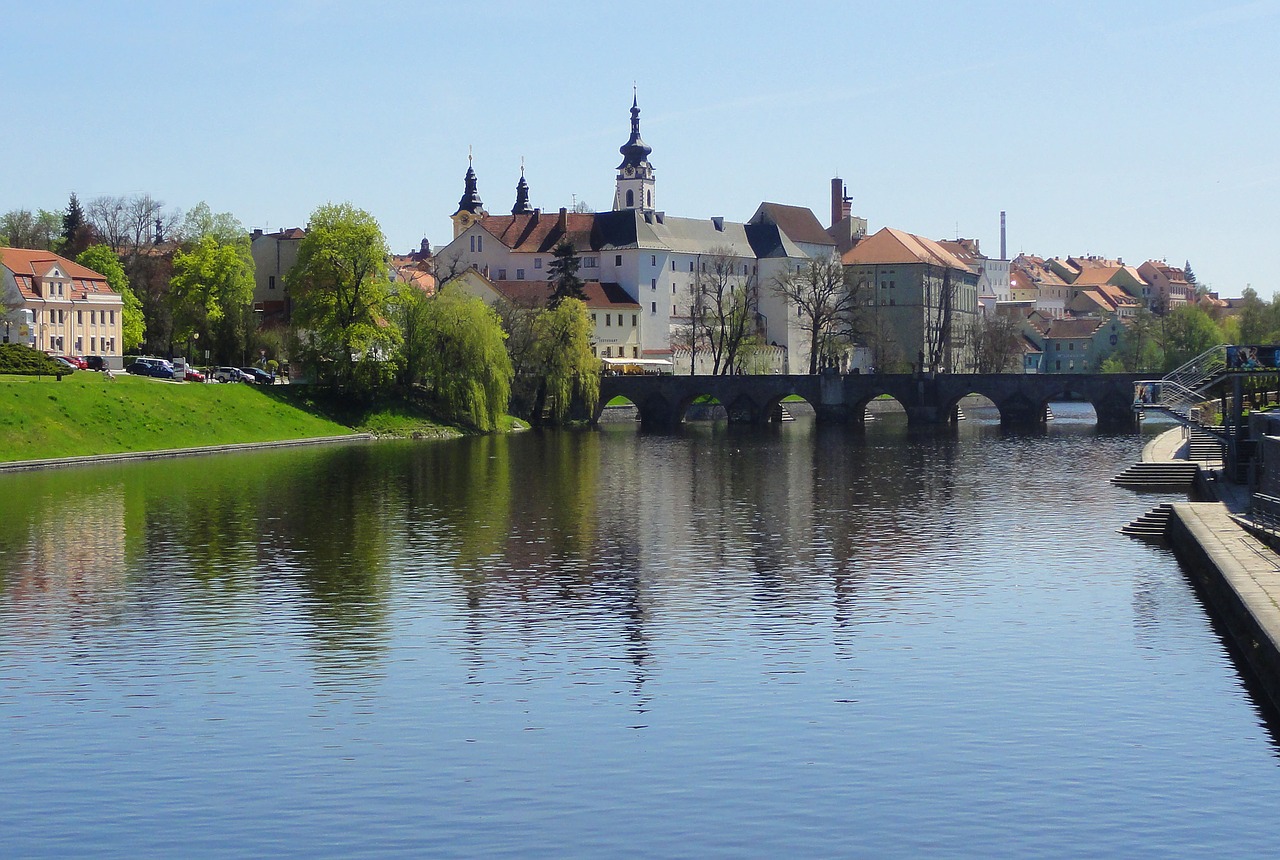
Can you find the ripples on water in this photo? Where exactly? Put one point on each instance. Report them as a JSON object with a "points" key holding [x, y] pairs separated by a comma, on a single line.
{"points": [[798, 641]]}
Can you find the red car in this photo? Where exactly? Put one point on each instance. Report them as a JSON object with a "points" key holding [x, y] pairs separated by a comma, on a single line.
{"points": [[194, 375]]}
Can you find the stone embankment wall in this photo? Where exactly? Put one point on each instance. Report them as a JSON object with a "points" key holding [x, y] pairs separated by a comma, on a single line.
{"points": [[1239, 578]]}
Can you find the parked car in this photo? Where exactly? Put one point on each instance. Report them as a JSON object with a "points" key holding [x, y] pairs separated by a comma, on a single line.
{"points": [[95, 362], [78, 361], [65, 363], [157, 367], [230, 374], [259, 375], [194, 375]]}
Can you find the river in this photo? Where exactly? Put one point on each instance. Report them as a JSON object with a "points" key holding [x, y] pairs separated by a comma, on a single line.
{"points": [[795, 641]]}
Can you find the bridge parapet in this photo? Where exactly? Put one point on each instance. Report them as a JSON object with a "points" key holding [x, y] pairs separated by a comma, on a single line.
{"points": [[662, 401]]}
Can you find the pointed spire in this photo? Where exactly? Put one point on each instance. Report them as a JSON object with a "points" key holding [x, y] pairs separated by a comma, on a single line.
{"points": [[470, 201], [635, 151], [522, 206]]}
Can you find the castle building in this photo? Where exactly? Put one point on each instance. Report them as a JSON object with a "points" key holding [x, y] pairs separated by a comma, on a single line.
{"points": [[656, 260]]}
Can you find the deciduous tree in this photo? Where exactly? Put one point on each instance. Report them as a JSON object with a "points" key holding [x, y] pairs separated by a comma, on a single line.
{"points": [[455, 345], [23, 228], [823, 299], [1189, 331], [103, 260], [565, 363], [729, 313], [210, 294], [341, 289], [994, 342]]}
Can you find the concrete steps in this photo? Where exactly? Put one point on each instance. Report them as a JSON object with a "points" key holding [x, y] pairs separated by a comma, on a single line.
{"points": [[1204, 447], [1171, 476], [1152, 524]]}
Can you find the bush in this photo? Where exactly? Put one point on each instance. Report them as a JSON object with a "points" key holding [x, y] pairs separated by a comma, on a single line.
{"points": [[22, 360]]}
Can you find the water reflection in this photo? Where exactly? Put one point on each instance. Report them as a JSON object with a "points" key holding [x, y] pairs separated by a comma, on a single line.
{"points": [[681, 635]]}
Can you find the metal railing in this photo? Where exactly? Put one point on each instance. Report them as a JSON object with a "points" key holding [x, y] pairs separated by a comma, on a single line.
{"points": [[1201, 370]]}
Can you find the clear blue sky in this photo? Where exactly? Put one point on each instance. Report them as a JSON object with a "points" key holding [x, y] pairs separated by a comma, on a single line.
{"points": [[1140, 129]]}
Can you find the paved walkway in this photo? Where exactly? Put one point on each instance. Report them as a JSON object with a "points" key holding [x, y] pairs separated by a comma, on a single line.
{"points": [[1237, 574]]}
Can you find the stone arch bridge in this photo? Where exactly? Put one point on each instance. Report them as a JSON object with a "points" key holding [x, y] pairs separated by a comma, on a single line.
{"points": [[928, 400]]}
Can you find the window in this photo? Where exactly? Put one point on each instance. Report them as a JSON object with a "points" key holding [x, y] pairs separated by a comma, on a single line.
{"points": [[1058, 347], [631, 199], [673, 288], [479, 243], [691, 265], [80, 317], [93, 344], [608, 319], [653, 283], [473, 244], [593, 319], [519, 274], [673, 265], [653, 307], [653, 259], [113, 319], [1071, 347], [673, 310], [590, 262], [650, 196], [617, 260], [502, 274], [271, 282], [635, 352], [1059, 365], [608, 352], [537, 262], [635, 320]]}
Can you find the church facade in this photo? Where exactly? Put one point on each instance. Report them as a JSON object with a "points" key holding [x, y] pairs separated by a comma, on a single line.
{"points": [[656, 260]]}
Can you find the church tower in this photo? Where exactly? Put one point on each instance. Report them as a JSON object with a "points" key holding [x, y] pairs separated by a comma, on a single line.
{"points": [[470, 209], [635, 173], [522, 206]]}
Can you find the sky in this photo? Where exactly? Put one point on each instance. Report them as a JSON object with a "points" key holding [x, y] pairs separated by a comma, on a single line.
{"points": [[1140, 129]]}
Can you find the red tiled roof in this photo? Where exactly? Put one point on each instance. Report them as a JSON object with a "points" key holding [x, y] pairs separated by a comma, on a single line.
{"points": [[34, 262], [540, 231], [896, 246]]}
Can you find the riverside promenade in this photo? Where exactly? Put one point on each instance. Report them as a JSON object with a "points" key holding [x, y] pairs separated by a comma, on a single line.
{"points": [[1236, 574]]}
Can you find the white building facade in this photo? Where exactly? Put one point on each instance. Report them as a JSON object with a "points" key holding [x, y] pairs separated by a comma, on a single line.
{"points": [[657, 260]]}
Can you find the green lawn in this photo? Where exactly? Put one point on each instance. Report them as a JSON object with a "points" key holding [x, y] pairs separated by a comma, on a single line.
{"points": [[87, 414]]}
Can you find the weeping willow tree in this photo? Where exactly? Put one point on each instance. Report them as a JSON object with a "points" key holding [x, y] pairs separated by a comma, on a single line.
{"points": [[565, 361], [457, 351]]}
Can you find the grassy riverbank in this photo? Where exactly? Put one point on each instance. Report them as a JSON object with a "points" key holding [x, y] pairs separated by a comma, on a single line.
{"points": [[87, 414]]}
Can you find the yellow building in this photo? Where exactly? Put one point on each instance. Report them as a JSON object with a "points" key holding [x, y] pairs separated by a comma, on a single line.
{"points": [[59, 306]]}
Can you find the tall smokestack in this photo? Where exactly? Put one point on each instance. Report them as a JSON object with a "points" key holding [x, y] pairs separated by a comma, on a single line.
{"points": [[837, 198], [1004, 255]]}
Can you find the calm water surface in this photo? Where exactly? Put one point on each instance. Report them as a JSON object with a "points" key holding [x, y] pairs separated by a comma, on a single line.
{"points": [[794, 642]]}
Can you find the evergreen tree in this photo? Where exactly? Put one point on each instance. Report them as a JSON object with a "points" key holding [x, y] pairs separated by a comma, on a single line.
{"points": [[562, 272], [75, 232], [1190, 275]]}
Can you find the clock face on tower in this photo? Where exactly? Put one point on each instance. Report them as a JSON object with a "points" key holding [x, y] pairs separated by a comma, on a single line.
{"points": [[628, 171], [463, 219]]}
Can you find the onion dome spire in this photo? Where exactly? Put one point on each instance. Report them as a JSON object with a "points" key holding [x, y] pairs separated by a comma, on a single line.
{"points": [[522, 206], [470, 201], [635, 152]]}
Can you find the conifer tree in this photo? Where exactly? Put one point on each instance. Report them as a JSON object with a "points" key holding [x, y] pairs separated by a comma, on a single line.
{"points": [[1190, 275], [74, 238], [562, 272]]}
